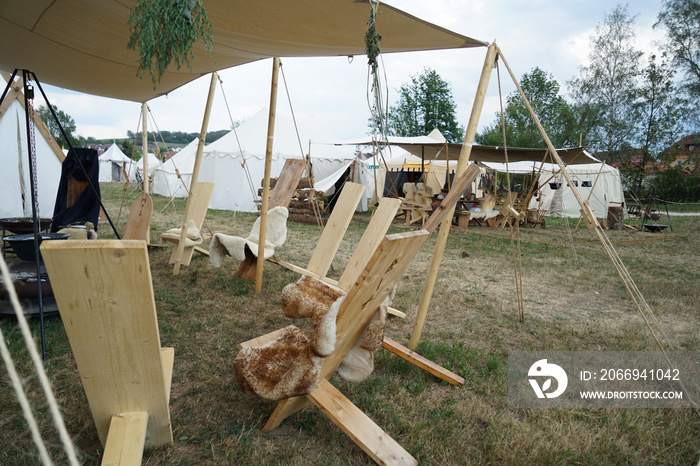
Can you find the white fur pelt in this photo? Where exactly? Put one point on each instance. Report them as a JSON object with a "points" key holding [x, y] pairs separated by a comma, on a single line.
{"points": [[192, 238], [358, 364], [291, 364], [234, 246]]}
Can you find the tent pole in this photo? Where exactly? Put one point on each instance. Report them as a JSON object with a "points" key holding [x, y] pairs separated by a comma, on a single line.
{"points": [[464, 156], [266, 179], [195, 173], [144, 144]]}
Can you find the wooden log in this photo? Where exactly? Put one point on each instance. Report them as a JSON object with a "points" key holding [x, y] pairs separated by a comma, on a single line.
{"points": [[306, 204], [615, 217], [304, 183], [300, 218]]}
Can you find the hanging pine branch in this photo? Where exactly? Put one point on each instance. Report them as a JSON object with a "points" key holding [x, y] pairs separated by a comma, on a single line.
{"points": [[377, 106], [164, 32]]}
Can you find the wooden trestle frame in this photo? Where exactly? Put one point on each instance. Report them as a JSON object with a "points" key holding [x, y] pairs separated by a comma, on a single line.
{"points": [[367, 290]]}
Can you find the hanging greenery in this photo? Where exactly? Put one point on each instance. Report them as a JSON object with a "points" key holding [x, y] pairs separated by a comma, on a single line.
{"points": [[164, 31], [377, 106], [372, 38]]}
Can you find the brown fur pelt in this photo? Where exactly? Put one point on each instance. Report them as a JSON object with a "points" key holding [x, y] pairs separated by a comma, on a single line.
{"points": [[291, 365], [280, 369]]}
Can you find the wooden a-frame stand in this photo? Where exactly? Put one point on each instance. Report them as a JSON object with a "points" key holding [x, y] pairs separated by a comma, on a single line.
{"points": [[366, 293], [105, 296]]}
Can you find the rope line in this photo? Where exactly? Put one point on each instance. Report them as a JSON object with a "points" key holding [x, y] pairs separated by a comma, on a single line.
{"points": [[40, 370]]}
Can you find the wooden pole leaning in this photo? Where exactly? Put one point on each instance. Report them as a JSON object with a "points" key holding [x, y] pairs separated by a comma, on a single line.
{"points": [[144, 157], [462, 163], [266, 179], [195, 173]]}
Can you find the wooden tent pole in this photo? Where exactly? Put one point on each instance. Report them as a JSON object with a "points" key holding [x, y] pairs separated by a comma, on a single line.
{"points": [[266, 179], [464, 156], [144, 157], [144, 145], [195, 173]]}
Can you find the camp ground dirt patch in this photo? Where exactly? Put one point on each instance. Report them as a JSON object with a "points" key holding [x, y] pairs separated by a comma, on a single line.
{"points": [[572, 298]]}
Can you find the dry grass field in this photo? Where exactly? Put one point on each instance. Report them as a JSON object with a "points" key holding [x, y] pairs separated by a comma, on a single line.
{"points": [[573, 300]]}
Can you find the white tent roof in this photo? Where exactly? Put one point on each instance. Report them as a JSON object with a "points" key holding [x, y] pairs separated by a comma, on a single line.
{"points": [[14, 177], [115, 154], [226, 160], [81, 44]]}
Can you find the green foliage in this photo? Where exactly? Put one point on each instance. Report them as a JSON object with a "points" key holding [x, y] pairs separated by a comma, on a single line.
{"points": [[563, 123], [424, 104], [658, 113], [67, 123], [681, 21], [178, 137], [165, 31], [609, 83]]}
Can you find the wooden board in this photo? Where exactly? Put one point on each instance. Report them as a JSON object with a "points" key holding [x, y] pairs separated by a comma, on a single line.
{"points": [[286, 183], [139, 221], [127, 434], [105, 297], [200, 196], [333, 233], [424, 363], [372, 237], [359, 427]]}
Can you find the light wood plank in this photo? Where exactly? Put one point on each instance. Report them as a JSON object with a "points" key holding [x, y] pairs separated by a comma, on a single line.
{"points": [[127, 434], [261, 340], [167, 357], [373, 235], [337, 224], [424, 363], [139, 220], [200, 196], [361, 429], [287, 183], [105, 297], [396, 312]]}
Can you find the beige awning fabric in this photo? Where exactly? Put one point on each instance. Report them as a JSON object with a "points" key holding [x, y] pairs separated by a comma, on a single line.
{"points": [[81, 44]]}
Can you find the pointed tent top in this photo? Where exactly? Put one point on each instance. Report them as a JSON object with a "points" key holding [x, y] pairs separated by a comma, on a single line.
{"points": [[437, 135]]}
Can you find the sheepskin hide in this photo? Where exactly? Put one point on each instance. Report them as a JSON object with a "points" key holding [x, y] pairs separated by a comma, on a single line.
{"points": [[358, 364], [291, 365], [80, 231], [193, 237], [234, 246], [279, 369]]}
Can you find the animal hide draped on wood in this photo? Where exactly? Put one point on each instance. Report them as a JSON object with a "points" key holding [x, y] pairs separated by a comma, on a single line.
{"points": [[291, 364], [234, 246]]}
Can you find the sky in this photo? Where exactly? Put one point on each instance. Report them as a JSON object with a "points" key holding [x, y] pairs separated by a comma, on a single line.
{"points": [[553, 35]]}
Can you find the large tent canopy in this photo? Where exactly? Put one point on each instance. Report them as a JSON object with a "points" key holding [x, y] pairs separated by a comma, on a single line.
{"points": [[435, 147], [81, 44]]}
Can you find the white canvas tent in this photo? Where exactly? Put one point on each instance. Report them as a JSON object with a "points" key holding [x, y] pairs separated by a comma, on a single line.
{"points": [[16, 199], [112, 162], [165, 179], [238, 170], [598, 182]]}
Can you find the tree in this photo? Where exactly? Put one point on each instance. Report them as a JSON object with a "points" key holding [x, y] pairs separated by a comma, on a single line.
{"points": [[67, 123], [609, 82], [681, 21], [424, 104], [658, 112], [563, 123]]}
